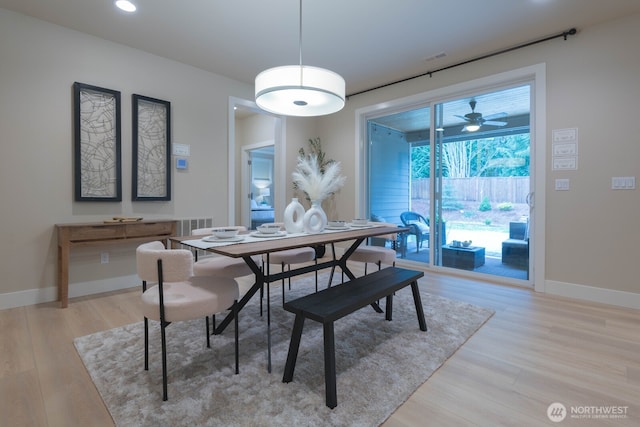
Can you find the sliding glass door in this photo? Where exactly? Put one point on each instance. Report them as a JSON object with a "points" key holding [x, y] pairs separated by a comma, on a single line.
{"points": [[461, 185]]}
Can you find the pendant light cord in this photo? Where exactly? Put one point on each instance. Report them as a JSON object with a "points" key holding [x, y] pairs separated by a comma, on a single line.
{"points": [[300, 42], [300, 32]]}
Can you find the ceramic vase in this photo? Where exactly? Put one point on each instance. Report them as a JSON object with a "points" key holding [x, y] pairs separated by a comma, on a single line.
{"points": [[314, 220], [293, 216]]}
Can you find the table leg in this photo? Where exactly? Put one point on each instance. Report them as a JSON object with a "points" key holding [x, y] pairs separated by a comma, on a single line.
{"points": [[269, 320], [63, 275], [342, 262], [245, 299]]}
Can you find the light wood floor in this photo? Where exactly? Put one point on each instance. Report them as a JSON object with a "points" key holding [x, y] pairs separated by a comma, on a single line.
{"points": [[536, 350]]}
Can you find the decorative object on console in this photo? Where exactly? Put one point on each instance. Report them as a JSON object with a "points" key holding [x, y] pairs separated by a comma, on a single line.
{"points": [[293, 214]]}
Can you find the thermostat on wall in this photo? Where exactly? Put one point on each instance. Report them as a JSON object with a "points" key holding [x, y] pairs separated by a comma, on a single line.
{"points": [[181, 163]]}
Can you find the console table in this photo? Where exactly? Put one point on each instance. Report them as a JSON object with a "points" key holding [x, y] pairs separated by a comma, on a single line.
{"points": [[465, 258], [100, 233]]}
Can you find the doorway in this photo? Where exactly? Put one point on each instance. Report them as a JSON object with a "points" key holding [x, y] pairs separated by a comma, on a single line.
{"points": [[254, 132], [258, 179]]}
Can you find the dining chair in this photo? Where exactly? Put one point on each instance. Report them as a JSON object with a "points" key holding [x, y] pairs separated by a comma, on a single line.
{"points": [[376, 254], [287, 258], [221, 265], [176, 295]]}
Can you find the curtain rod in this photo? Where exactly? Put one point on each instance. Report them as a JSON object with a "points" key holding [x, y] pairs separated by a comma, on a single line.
{"points": [[564, 34]]}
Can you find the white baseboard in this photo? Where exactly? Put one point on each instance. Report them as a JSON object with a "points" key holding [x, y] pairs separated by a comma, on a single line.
{"points": [[593, 294], [38, 296]]}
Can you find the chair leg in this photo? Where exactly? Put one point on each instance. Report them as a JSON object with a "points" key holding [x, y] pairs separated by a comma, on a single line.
{"points": [[146, 344], [316, 272], [164, 360], [235, 317], [283, 283], [206, 322]]}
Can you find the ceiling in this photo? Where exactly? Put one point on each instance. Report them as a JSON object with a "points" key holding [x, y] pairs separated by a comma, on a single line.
{"points": [[515, 102], [369, 42]]}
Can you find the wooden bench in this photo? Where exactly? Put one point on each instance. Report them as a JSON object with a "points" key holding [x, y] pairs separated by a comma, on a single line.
{"points": [[336, 302]]}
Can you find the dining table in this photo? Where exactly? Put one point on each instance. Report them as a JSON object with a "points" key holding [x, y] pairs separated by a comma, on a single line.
{"points": [[249, 244]]}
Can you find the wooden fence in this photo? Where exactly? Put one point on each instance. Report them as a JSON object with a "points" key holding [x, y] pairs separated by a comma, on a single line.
{"points": [[497, 189]]}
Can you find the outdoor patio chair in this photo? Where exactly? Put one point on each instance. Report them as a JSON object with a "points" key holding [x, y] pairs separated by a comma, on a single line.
{"points": [[515, 250], [419, 227]]}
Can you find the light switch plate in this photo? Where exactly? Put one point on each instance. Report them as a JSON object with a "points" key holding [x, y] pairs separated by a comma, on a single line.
{"points": [[623, 183], [181, 149], [562, 184]]}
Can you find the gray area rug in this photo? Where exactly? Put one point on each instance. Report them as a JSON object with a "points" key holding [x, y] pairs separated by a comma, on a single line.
{"points": [[379, 365]]}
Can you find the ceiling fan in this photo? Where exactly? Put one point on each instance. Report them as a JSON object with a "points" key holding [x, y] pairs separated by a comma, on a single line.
{"points": [[475, 120]]}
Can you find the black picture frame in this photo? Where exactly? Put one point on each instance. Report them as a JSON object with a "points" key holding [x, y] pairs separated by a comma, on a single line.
{"points": [[97, 144], [151, 140], [151, 160]]}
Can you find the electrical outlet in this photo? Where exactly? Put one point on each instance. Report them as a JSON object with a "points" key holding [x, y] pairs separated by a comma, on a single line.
{"points": [[104, 258]]}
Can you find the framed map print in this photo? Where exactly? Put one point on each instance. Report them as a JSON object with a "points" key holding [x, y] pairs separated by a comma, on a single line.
{"points": [[97, 164], [151, 176]]}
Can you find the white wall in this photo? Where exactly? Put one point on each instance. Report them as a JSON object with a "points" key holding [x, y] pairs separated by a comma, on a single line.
{"points": [[592, 231], [591, 234], [39, 63]]}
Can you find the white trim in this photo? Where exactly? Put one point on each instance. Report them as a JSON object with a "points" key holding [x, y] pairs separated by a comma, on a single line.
{"points": [[50, 294], [593, 294], [279, 158]]}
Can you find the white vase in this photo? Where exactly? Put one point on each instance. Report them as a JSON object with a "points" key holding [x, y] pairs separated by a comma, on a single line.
{"points": [[293, 216], [314, 220]]}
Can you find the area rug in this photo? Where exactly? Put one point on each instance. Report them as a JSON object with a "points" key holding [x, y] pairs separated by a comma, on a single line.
{"points": [[379, 365]]}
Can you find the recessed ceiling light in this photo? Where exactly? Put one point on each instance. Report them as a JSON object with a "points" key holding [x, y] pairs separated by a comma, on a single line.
{"points": [[126, 5]]}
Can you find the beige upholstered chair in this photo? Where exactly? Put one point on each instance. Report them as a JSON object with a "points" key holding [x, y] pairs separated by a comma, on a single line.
{"points": [[221, 265], [177, 295], [290, 257], [376, 254]]}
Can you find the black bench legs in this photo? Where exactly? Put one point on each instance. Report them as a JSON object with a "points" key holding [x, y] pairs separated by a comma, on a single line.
{"points": [[336, 302]]}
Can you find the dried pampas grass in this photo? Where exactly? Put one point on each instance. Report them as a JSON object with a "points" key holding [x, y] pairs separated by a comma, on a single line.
{"points": [[317, 185]]}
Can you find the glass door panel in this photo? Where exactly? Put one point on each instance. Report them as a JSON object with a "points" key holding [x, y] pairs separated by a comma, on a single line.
{"points": [[484, 152]]}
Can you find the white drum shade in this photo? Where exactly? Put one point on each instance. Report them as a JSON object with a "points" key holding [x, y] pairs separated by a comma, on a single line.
{"points": [[300, 90]]}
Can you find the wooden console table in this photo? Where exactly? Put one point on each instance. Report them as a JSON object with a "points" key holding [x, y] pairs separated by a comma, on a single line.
{"points": [[99, 233]]}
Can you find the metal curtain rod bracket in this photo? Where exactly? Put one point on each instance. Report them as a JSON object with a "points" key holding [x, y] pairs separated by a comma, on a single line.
{"points": [[564, 34]]}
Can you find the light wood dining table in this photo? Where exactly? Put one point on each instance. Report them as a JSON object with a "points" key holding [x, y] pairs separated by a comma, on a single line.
{"points": [[251, 246]]}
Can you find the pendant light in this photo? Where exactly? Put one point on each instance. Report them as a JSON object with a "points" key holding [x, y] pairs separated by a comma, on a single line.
{"points": [[300, 90]]}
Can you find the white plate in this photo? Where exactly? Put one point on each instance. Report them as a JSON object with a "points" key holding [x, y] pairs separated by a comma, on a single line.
{"points": [[278, 234], [222, 239], [344, 227], [360, 225]]}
